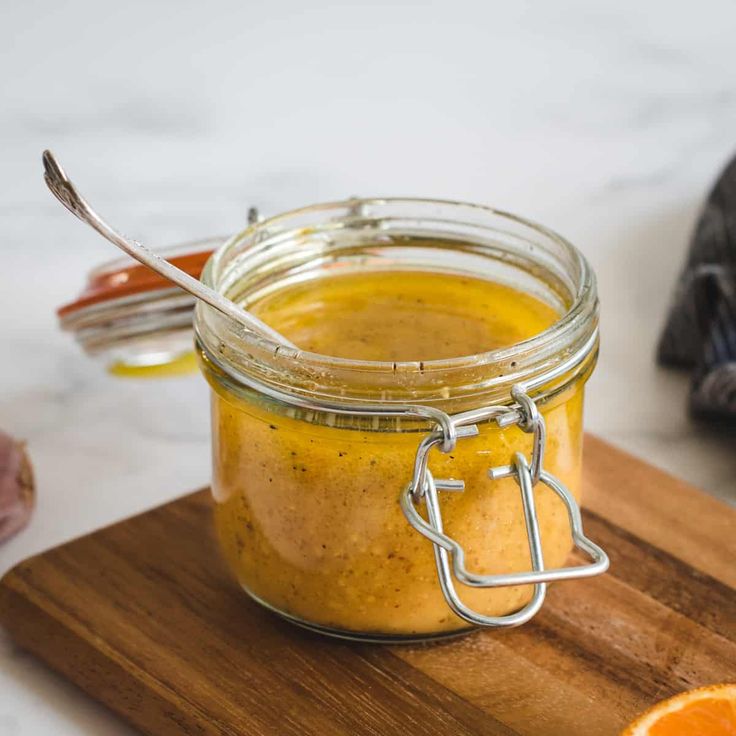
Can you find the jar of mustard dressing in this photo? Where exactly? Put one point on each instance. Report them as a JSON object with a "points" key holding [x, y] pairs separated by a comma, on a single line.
{"points": [[413, 469]]}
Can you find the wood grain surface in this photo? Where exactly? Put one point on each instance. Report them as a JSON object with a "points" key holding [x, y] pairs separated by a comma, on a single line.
{"points": [[144, 617]]}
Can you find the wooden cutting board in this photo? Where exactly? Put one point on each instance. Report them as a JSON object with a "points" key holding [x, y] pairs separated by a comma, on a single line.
{"points": [[144, 617]]}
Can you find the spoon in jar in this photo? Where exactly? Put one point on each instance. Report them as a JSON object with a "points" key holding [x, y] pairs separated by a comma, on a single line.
{"points": [[63, 189]]}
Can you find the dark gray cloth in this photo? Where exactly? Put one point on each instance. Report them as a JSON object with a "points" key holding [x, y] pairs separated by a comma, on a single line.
{"points": [[700, 333]]}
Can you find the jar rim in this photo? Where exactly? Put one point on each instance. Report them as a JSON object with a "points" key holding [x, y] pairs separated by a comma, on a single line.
{"points": [[574, 328]]}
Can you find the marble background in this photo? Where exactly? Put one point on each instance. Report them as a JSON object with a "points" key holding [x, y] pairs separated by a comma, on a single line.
{"points": [[606, 121]]}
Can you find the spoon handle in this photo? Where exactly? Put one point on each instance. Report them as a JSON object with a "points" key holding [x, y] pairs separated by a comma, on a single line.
{"points": [[63, 189]]}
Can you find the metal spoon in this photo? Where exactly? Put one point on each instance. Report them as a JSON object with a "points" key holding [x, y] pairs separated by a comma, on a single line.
{"points": [[63, 189]]}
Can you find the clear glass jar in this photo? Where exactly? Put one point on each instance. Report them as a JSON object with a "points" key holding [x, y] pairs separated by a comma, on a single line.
{"points": [[326, 504]]}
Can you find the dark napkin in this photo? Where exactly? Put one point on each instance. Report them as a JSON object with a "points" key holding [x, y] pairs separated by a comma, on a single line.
{"points": [[700, 333]]}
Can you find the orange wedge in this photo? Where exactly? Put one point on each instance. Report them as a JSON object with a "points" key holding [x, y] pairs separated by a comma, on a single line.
{"points": [[707, 711]]}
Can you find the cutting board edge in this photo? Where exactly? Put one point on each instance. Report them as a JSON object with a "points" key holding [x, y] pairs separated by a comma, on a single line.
{"points": [[90, 665]]}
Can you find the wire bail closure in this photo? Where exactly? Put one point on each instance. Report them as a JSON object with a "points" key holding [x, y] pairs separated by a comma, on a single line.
{"points": [[450, 555]]}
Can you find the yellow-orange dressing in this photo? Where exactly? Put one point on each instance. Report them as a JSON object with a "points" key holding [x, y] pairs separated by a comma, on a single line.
{"points": [[308, 514], [400, 315]]}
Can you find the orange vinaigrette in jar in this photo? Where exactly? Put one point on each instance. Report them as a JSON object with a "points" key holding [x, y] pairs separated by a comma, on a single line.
{"points": [[405, 473]]}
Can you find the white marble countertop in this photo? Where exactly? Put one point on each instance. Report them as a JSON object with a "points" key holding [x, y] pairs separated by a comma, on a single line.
{"points": [[606, 122]]}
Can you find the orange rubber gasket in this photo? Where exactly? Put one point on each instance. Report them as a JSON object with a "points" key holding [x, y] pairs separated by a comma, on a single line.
{"points": [[133, 279]]}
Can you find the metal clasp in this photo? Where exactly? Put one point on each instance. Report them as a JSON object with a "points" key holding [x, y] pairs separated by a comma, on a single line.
{"points": [[450, 555]]}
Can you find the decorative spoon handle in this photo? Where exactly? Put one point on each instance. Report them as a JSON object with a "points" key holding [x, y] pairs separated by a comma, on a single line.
{"points": [[63, 189]]}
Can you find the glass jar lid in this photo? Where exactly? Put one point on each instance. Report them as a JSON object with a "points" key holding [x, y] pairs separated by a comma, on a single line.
{"points": [[134, 320]]}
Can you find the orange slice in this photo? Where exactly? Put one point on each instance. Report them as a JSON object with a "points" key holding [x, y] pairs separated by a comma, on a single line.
{"points": [[707, 711]]}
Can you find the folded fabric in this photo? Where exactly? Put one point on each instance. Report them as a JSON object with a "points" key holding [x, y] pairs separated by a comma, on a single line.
{"points": [[700, 333]]}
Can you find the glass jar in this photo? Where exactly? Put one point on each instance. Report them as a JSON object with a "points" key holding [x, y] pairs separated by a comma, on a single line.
{"points": [[400, 500]]}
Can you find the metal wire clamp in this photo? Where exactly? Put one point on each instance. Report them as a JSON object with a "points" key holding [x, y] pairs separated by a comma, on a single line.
{"points": [[450, 555]]}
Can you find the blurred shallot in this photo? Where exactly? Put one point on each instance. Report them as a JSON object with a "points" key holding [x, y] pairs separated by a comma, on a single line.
{"points": [[16, 486]]}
